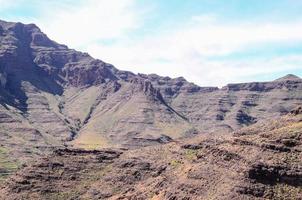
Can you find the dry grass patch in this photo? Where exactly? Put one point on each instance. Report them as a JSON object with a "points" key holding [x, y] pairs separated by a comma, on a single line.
{"points": [[91, 140]]}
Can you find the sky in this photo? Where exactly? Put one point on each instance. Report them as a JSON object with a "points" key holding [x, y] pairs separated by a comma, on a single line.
{"points": [[209, 42]]}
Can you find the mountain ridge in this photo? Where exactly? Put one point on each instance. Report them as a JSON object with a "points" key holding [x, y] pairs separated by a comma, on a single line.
{"points": [[52, 96]]}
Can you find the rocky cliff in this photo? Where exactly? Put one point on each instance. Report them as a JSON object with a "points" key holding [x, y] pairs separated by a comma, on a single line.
{"points": [[52, 96]]}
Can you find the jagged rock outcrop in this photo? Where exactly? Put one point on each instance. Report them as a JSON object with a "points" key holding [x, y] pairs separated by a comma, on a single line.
{"points": [[297, 111]]}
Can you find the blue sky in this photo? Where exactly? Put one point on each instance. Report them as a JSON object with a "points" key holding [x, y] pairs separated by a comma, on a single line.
{"points": [[209, 42]]}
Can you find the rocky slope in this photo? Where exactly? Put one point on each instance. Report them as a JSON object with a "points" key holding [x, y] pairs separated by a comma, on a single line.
{"points": [[263, 161], [52, 96]]}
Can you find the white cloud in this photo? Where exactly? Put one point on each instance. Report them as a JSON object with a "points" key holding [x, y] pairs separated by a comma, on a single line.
{"points": [[221, 39], [233, 71], [84, 22], [185, 51], [197, 69]]}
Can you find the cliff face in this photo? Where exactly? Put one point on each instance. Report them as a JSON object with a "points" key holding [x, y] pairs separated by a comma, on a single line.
{"points": [[53, 96]]}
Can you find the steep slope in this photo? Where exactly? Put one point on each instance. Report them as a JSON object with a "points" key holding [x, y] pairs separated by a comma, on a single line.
{"points": [[263, 161], [49, 95], [52, 96], [135, 115]]}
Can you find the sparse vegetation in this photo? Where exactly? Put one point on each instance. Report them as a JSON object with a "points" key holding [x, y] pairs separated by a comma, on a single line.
{"points": [[6, 165], [221, 168], [283, 192], [175, 163], [191, 154], [91, 140]]}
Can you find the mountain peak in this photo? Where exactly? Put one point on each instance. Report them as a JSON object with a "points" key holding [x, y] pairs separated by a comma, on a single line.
{"points": [[288, 77]]}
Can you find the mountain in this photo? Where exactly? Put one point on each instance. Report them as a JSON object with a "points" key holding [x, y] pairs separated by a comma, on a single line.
{"points": [[52, 96], [262, 161], [289, 77]]}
